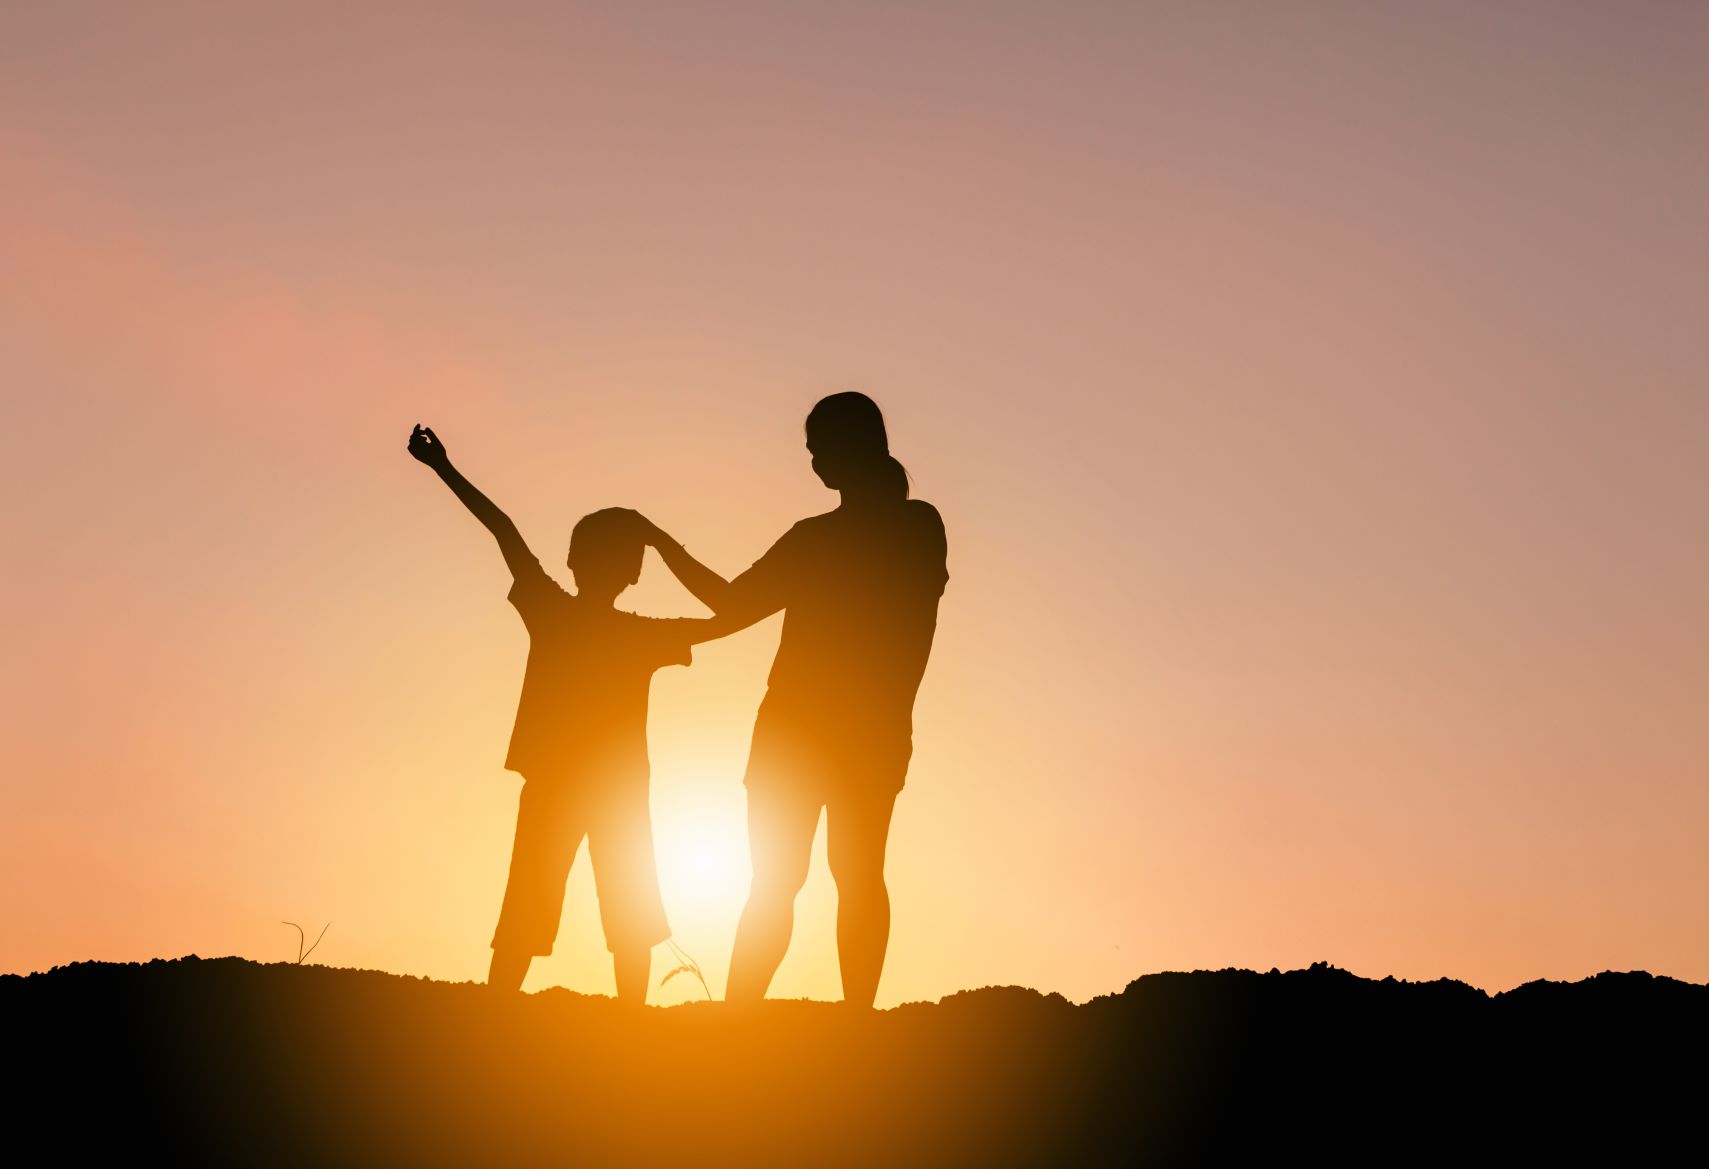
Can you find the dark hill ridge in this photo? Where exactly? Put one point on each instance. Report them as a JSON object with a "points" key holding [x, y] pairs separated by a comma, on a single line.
{"points": [[231, 1062]]}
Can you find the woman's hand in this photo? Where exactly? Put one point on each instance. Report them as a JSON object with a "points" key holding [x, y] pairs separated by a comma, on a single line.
{"points": [[654, 535]]}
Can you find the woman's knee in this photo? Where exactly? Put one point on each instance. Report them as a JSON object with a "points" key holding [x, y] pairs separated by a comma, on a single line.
{"points": [[781, 827], [859, 873], [859, 833], [776, 888]]}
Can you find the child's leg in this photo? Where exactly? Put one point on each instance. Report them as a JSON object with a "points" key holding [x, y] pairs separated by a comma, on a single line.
{"points": [[548, 832], [634, 968], [626, 877]]}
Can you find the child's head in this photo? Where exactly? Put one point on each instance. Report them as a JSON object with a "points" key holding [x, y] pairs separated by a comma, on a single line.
{"points": [[606, 548]]}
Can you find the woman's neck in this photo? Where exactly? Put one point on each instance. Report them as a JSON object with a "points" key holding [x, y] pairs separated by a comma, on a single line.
{"points": [[862, 499]]}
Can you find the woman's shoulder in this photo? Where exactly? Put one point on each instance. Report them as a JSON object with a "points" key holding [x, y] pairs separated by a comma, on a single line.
{"points": [[925, 517], [804, 531], [912, 516], [823, 519], [924, 511]]}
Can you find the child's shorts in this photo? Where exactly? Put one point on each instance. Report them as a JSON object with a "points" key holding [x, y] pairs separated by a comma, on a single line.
{"points": [[551, 819]]}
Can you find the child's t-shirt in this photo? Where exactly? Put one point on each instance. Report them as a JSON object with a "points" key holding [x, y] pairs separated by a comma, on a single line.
{"points": [[582, 715]]}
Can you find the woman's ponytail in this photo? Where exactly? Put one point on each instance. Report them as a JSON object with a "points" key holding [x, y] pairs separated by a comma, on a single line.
{"points": [[851, 425], [892, 476]]}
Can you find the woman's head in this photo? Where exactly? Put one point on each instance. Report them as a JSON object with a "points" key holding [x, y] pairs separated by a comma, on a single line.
{"points": [[851, 452]]}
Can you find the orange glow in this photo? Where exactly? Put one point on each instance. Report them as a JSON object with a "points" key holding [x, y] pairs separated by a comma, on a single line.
{"points": [[703, 868], [1314, 407]]}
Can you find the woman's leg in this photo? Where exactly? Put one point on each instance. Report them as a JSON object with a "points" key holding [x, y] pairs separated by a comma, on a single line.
{"points": [[858, 827], [508, 969], [781, 824]]}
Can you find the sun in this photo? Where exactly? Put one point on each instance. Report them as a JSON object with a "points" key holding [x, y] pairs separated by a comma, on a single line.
{"points": [[703, 863]]}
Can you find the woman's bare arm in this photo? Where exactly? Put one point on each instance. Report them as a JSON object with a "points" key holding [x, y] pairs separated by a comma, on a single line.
{"points": [[708, 587], [738, 603]]}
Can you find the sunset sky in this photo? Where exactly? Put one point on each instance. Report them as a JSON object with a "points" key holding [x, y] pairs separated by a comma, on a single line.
{"points": [[1316, 396]]}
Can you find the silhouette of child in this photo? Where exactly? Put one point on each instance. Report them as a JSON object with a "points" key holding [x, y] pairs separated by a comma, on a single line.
{"points": [[580, 737]]}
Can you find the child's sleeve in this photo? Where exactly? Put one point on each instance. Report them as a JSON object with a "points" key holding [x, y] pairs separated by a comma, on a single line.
{"points": [[531, 589], [670, 641]]}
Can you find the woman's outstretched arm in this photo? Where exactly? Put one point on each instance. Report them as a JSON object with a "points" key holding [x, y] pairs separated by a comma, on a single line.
{"points": [[708, 587], [738, 603]]}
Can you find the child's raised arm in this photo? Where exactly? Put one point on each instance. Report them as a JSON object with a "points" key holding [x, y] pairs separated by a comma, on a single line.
{"points": [[427, 448]]}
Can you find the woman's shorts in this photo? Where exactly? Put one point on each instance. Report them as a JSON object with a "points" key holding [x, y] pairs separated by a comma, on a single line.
{"points": [[803, 755], [552, 816]]}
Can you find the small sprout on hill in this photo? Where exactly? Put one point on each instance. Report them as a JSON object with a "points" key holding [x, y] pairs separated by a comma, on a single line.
{"points": [[686, 965], [302, 937]]}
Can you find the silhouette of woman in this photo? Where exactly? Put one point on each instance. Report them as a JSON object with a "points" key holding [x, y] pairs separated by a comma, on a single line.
{"points": [[860, 588]]}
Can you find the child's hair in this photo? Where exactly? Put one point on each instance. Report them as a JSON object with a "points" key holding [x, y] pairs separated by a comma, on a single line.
{"points": [[611, 540]]}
